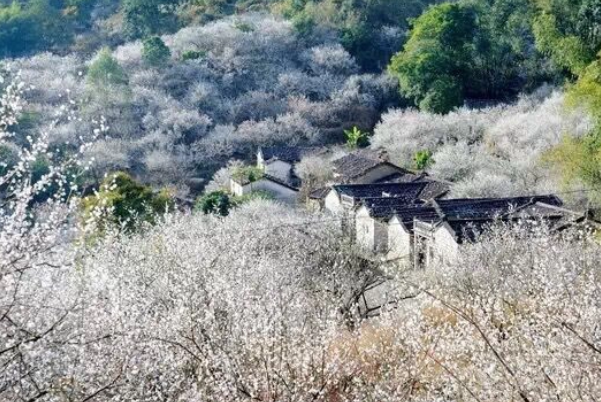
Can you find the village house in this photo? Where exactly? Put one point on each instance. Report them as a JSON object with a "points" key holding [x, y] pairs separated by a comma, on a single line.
{"points": [[278, 176], [367, 167], [423, 235], [274, 186], [370, 168], [345, 198]]}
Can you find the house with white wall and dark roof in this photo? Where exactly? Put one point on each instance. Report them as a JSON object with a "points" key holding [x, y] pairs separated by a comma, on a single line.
{"points": [[431, 234], [393, 214], [278, 177]]}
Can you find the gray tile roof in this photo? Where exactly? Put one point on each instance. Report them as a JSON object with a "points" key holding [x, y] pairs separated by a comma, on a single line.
{"points": [[320, 193], [380, 209], [489, 208], [470, 217], [358, 163], [407, 193], [410, 191], [289, 154]]}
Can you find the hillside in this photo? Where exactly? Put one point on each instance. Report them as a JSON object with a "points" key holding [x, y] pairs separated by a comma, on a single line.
{"points": [[300, 200]]}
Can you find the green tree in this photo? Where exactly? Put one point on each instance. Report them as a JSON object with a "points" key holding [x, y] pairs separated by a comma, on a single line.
{"points": [[216, 202], [143, 18], [130, 202], [105, 71], [26, 27], [247, 174], [422, 159], [356, 138], [433, 65], [569, 31], [371, 30], [155, 52]]}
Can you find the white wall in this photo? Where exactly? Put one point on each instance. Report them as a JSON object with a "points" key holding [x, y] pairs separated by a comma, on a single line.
{"points": [[375, 174], [380, 236], [278, 191], [445, 246], [399, 240], [260, 160], [365, 230], [332, 203], [236, 188]]}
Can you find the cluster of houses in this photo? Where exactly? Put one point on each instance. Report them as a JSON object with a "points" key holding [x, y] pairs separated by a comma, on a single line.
{"points": [[394, 214]]}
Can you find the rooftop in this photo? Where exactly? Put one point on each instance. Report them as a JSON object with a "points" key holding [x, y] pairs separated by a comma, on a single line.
{"points": [[358, 163], [404, 193], [290, 154], [395, 190], [489, 208]]}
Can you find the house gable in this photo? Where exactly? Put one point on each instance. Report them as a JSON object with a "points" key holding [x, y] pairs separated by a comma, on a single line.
{"points": [[399, 240]]}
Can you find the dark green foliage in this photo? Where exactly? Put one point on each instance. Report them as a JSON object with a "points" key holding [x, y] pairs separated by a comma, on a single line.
{"points": [[26, 27], [433, 66], [247, 174], [371, 30], [221, 203], [193, 55], [217, 202], [8, 158], [143, 18], [569, 32], [155, 52], [131, 202], [473, 49]]}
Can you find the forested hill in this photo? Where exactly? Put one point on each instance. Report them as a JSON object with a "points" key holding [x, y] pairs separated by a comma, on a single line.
{"points": [[187, 86]]}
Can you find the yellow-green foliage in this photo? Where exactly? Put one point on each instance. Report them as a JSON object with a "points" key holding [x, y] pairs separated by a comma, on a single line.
{"points": [[580, 158], [247, 174], [129, 203]]}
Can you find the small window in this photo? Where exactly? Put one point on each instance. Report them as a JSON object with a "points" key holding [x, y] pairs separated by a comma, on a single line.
{"points": [[347, 200]]}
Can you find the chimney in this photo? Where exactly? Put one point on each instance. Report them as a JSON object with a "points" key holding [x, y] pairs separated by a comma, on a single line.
{"points": [[384, 155]]}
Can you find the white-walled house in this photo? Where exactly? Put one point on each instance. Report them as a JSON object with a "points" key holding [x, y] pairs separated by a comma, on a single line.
{"points": [[386, 229], [347, 197], [280, 190], [280, 161], [368, 167], [465, 220], [429, 235]]}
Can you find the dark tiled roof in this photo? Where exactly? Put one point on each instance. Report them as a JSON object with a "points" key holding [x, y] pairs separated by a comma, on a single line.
{"points": [[320, 193], [385, 209], [401, 177], [287, 154], [357, 164], [434, 189], [489, 208], [404, 212], [409, 191]]}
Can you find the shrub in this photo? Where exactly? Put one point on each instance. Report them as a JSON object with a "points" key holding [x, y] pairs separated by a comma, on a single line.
{"points": [[422, 159], [126, 203], [216, 202], [154, 52], [193, 55], [247, 174]]}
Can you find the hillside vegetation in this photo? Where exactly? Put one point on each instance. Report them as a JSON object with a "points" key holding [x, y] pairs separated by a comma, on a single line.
{"points": [[187, 86], [116, 285]]}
